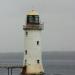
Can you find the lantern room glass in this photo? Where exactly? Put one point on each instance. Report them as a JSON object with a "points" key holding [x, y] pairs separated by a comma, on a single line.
{"points": [[32, 19]]}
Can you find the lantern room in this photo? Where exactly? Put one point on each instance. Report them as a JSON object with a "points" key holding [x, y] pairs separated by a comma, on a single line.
{"points": [[33, 21], [32, 17]]}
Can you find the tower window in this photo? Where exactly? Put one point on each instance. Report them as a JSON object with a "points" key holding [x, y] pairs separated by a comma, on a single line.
{"points": [[38, 61], [26, 33], [25, 51], [37, 42]]}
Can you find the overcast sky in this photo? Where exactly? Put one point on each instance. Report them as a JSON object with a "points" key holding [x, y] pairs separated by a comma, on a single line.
{"points": [[59, 24]]}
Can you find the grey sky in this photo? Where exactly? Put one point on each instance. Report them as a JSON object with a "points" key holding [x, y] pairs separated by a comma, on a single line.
{"points": [[58, 17]]}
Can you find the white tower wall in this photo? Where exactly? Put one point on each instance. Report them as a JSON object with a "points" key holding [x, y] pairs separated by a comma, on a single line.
{"points": [[32, 54]]}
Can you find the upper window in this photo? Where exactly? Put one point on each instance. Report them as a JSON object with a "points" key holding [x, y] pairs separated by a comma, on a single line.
{"points": [[36, 19], [26, 33], [30, 19]]}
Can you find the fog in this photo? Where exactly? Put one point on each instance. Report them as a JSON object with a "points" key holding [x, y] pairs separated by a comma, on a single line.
{"points": [[58, 17]]}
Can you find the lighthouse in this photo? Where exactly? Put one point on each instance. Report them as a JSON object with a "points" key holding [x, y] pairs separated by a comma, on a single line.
{"points": [[32, 63]]}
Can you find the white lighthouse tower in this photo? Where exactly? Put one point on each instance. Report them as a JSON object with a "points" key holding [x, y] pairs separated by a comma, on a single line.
{"points": [[32, 64]]}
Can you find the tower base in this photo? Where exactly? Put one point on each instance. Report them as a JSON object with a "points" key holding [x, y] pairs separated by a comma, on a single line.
{"points": [[33, 74], [25, 73]]}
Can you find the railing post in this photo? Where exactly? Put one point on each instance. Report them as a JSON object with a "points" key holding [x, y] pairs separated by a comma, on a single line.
{"points": [[11, 71], [8, 70]]}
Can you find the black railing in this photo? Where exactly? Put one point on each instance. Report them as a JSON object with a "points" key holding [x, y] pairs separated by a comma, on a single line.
{"points": [[33, 27]]}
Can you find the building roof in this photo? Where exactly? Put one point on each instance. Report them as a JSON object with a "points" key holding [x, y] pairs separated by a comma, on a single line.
{"points": [[33, 12]]}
